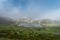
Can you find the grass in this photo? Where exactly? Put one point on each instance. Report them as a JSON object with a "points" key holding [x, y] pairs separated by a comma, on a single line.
{"points": [[30, 33]]}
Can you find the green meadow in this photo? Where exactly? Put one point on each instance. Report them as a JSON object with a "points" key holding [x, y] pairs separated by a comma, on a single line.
{"points": [[14, 32]]}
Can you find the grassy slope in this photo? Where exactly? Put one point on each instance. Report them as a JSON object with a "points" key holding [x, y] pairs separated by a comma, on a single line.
{"points": [[28, 30]]}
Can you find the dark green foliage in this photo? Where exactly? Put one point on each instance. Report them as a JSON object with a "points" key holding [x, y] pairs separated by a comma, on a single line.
{"points": [[25, 33]]}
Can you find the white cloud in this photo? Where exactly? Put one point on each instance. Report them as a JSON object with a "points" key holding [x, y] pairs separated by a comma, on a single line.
{"points": [[53, 14]]}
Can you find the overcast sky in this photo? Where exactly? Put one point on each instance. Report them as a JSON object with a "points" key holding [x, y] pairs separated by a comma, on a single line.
{"points": [[37, 9]]}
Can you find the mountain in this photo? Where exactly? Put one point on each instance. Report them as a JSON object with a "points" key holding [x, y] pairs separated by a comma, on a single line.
{"points": [[50, 23], [28, 22], [5, 20]]}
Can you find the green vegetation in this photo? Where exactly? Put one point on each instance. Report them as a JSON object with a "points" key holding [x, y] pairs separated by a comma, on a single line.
{"points": [[13, 32]]}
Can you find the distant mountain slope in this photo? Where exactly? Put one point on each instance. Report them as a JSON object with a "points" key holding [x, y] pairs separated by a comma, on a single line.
{"points": [[50, 23], [4, 20]]}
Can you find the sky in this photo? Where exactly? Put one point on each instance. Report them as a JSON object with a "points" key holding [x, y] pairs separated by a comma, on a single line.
{"points": [[36, 9]]}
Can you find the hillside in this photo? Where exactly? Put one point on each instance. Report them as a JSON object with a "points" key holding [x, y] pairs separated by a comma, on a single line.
{"points": [[5, 20], [28, 22], [38, 23]]}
